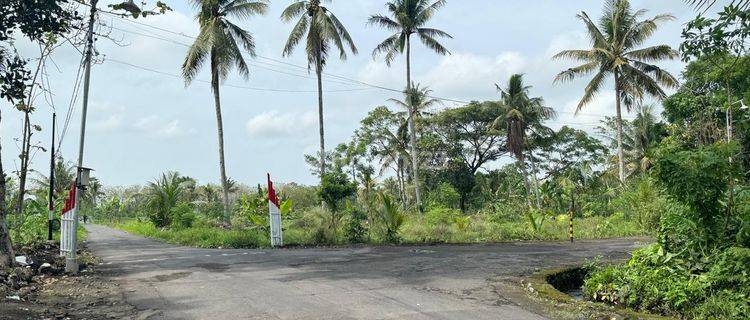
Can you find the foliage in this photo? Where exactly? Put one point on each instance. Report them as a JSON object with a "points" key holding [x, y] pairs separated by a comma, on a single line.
{"points": [[334, 188], [356, 229], [392, 219], [163, 195]]}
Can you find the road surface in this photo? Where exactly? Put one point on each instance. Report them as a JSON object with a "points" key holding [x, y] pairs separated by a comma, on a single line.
{"points": [[403, 282]]}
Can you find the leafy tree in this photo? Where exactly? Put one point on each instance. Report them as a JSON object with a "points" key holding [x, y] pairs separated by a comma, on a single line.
{"points": [[409, 18], [465, 133], [522, 114], [218, 42], [615, 53], [32, 19], [384, 132], [323, 31], [334, 189]]}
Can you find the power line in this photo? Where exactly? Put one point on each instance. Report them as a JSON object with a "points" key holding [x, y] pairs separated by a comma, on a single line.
{"points": [[229, 85], [298, 67]]}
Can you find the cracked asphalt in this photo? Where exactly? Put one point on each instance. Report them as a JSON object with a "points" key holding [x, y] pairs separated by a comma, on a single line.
{"points": [[400, 282]]}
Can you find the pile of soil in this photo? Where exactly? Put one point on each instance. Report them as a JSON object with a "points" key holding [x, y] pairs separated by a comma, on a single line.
{"points": [[41, 289]]}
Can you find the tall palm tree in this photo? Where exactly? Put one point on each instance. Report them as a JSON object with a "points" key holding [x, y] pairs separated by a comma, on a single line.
{"points": [[323, 31], [416, 101], [409, 17], [615, 41], [522, 113], [218, 42]]}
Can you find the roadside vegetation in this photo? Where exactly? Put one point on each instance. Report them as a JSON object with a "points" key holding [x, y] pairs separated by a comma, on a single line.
{"points": [[420, 171]]}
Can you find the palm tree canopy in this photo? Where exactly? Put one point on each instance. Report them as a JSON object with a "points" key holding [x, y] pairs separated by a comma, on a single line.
{"points": [[417, 99], [408, 17], [322, 28], [220, 39], [522, 113], [615, 50]]}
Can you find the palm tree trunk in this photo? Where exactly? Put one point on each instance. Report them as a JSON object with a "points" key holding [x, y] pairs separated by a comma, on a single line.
{"points": [[535, 180], [526, 183], [6, 248], [319, 72], [220, 129], [412, 132], [620, 158]]}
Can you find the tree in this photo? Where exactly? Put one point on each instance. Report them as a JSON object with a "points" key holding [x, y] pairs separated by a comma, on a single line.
{"points": [[33, 19], [334, 189], [163, 195], [416, 101], [521, 114], [465, 133], [409, 17], [217, 42], [639, 136], [323, 31], [384, 132], [615, 53]]}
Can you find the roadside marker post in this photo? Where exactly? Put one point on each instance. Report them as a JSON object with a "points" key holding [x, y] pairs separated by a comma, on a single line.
{"points": [[274, 212]]}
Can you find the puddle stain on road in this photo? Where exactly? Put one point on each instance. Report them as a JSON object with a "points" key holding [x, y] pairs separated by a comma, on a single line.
{"points": [[171, 276]]}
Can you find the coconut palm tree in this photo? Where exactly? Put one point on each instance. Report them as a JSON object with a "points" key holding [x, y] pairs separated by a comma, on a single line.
{"points": [[217, 42], [323, 31], [521, 114], [416, 101], [614, 52], [409, 17]]}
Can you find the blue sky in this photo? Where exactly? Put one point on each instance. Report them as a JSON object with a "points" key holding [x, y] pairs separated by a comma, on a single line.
{"points": [[143, 123]]}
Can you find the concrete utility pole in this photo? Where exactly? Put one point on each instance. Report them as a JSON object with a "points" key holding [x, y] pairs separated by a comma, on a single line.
{"points": [[51, 207], [71, 260]]}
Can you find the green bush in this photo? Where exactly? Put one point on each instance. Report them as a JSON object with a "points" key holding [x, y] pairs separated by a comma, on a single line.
{"points": [[441, 216], [183, 216], [356, 229]]}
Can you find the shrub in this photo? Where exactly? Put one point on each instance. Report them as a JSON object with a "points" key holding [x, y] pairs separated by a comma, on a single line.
{"points": [[183, 216], [441, 216], [356, 230]]}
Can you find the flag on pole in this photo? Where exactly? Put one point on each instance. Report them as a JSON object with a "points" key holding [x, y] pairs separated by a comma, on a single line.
{"points": [[274, 213], [68, 225], [70, 202]]}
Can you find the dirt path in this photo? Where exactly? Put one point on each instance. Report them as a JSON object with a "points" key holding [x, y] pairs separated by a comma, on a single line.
{"points": [[407, 282]]}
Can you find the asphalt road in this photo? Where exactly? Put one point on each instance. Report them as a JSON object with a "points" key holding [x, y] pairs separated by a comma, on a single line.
{"points": [[404, 282]]}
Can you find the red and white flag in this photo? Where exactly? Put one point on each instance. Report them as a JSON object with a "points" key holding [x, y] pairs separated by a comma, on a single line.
{"points": [[274, 213], [70, 202]]}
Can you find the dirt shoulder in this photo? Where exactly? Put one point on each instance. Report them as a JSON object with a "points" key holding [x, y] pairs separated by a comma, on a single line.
{"points": [[40, 290]]}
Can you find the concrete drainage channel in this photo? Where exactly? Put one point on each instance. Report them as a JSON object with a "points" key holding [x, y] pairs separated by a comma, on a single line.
{"points": [[561, 288]]}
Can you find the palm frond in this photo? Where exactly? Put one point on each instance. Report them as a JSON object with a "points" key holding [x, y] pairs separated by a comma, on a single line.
{"points": [[591, 90], [384, 22], [298, 32], [433, 44], [196, 56], [653, 53], [434, 33], [293, 11], [572, 73], [243, 9], [390, 46]]}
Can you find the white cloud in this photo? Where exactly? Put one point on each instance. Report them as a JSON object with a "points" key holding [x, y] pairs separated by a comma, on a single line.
{"points": [[109, 124], [154, 125], [274, 124]]}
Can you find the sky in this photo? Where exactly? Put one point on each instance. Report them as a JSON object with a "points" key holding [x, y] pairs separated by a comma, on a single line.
{"points": [[143, 120]]}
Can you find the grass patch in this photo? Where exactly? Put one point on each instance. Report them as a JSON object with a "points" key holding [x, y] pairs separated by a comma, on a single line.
{"points": [[416, 230], [198, 236]]}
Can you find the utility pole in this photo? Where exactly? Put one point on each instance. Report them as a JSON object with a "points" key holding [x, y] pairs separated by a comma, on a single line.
{"points": [[71, 261], [51, 207]]}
